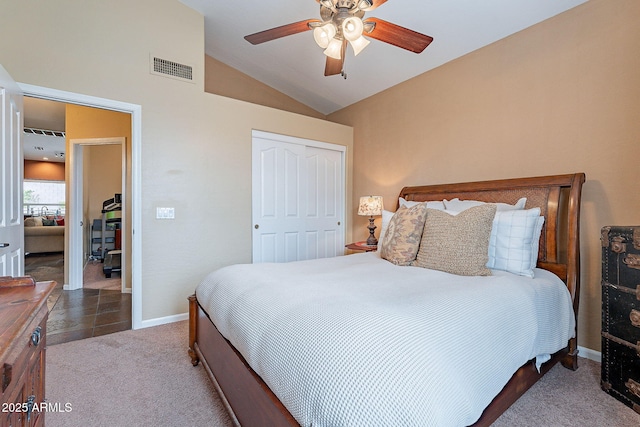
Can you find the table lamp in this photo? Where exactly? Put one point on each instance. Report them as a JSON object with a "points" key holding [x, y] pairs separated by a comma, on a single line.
{"points": [[371, 206]]}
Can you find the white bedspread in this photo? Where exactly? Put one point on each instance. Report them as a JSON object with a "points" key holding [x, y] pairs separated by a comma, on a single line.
{"points": [[357, 341]]}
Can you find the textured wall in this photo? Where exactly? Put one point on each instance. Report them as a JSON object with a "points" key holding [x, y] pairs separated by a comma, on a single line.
{"points": [[562, 96]]}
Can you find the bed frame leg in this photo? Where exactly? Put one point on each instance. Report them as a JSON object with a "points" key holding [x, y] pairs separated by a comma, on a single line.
{"points": [[193, 329], [570, 360]]}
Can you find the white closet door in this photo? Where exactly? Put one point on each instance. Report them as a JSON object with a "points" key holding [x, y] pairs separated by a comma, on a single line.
{"points": [[11, 224], [297, 194], [324, 194]]}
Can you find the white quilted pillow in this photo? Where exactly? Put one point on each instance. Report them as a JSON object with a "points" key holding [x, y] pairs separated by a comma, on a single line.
{"points": [[514, 240]]}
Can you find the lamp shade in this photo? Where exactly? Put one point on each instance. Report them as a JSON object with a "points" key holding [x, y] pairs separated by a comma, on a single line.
{"points": [[370, 206], [352, 28], [334, 50], [359, 44], [324, 34]]}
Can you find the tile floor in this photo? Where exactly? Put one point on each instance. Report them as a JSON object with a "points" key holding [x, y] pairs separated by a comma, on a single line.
{"points": [[86, 313], [83, 313]]}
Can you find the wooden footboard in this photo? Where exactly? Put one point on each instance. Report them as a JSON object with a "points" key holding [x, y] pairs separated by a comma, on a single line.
{"points": [[248, 399]]}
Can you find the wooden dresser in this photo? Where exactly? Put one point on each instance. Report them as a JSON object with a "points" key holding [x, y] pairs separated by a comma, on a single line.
{"points": [[621, 314], [23, 322]]}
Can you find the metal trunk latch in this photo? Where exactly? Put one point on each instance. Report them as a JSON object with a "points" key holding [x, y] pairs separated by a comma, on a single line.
{"points": [[632, 260]]}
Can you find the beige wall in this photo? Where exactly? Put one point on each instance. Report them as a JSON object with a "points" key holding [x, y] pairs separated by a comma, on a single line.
{"points": [[221, 79], [196, 147], [48, 171], [560, 97]]}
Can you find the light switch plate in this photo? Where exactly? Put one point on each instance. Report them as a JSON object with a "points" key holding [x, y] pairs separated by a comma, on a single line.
{"points": [[165, 213]]}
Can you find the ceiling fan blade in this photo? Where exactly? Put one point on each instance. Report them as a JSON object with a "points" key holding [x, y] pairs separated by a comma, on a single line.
{"points": [[334, 66], [398, 36], [376, 3], [282, 31]]}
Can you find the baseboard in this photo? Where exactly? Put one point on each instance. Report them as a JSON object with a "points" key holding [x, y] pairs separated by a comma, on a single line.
{"points": [[596, 356], [163, 320]]}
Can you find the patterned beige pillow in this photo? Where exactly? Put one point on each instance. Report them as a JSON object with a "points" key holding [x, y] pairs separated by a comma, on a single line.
{"points": [[457, 244], [402, 237]]}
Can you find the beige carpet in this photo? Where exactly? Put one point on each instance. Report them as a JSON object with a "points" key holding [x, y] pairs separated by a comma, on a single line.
{"points": [[93, 277], [145, 378], [132, 378]]}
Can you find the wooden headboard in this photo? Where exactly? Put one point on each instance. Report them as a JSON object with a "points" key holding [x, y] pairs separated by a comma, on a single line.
{"points": [[558, 198]]}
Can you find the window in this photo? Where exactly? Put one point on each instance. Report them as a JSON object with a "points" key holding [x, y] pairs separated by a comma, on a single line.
{"points": [[43, 198]]}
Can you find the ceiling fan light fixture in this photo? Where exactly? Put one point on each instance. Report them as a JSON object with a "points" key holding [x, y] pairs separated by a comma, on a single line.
{"points": [[359, 44], [364, 4], [327, 3], [352, 28], [323, 34], [334, 50]]}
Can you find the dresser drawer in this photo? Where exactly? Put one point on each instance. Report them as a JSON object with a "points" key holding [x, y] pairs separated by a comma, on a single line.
{"points": [[23, 348], [23, 322]]}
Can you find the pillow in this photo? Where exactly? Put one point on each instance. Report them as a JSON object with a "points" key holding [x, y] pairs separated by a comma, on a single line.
{"points": [[60, 221], [402, 236], [49, 222], [386, 218], [513, 245], [457, 244], [460, 205], [431, 205], [30, 222]]}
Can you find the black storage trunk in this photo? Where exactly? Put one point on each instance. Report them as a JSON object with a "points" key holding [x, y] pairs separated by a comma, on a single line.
{"points": [[621, 314]]}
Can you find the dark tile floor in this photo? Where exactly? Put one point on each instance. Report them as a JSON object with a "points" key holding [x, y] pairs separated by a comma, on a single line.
{"points": [[86, 313], [82, 313]]}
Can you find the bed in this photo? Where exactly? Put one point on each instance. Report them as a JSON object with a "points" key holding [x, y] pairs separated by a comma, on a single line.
{"points": [[265, 376]]}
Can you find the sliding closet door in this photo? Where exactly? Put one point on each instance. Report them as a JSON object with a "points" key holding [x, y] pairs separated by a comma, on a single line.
{"points": [[298, 199], [324, 231]]}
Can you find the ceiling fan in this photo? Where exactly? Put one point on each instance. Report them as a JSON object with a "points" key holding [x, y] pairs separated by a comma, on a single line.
{"points": [[341, 23]]}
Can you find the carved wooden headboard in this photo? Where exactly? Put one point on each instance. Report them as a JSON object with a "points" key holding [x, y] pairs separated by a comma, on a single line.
{"points": [[558, 198]]}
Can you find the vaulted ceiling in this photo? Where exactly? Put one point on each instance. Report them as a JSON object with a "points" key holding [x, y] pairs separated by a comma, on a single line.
{"points": [[295, 65]]}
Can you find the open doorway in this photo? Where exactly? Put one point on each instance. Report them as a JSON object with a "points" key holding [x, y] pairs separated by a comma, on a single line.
{"points": [[86, 309]]}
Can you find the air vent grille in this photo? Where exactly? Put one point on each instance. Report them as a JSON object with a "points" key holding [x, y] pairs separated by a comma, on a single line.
{"points": [[44, 132], [172, 69]]}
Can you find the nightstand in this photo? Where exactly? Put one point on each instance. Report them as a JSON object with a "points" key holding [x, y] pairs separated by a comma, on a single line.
{"points": [[362, 246]]}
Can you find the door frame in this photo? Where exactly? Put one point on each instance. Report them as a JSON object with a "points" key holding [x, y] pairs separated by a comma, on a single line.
{"points": [[76, 209], [136, 176]]}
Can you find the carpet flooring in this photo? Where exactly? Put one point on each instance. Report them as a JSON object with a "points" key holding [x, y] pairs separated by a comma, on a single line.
{"points": [[145, 378], [132, 378]]}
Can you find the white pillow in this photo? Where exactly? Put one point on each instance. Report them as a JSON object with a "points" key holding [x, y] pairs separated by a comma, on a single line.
{"points": [[514, 240], [460, 205], [439, 205], [386, 218]]}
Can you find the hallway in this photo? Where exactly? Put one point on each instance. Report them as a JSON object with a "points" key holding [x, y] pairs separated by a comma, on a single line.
{"points": [[82, 313]]}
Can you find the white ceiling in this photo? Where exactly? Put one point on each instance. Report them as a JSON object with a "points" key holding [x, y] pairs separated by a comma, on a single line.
{"points": [[294, 65], [46, 115]]}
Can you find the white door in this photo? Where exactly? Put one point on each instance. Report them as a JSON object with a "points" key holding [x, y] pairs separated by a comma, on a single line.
{"points": [[11, 219], [298, 199], [324, 194]]}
